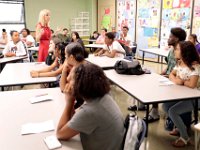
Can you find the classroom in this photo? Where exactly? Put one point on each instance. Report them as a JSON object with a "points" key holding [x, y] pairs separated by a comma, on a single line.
{"points": [[100, 74]]}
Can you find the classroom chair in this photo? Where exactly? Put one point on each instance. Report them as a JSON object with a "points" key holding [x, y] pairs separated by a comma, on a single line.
{"points": [[197, 136]]}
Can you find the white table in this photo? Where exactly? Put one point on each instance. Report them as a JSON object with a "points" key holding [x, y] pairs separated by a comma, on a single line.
{"points": [[103, 61], [19, 74], [94, 45], [16, 110], [147, 89], [5, 60], [89, 40], [156, 51]]}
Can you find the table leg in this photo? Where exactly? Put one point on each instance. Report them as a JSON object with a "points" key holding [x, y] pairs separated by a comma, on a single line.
{"points": [[196, 111], [147, 119], [143, 58]]}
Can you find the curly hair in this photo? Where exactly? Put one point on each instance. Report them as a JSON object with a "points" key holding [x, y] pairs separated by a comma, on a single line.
{"points": [[90, 82], [188, 53]]}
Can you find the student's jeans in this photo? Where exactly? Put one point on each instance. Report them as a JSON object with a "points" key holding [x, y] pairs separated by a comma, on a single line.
{"points": [[175, 110]]}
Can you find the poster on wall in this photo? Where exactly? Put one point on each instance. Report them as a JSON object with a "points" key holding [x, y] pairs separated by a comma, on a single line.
{"points": [[196, 19], [176, 13], [106, 14], [126, 13], [148, 22]]}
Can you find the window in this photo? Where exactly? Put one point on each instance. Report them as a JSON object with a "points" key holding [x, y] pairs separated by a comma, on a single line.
{"points": [[12, 15]]}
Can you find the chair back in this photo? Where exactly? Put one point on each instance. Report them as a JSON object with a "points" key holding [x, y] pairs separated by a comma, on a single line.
{"points": [[135, 132]]}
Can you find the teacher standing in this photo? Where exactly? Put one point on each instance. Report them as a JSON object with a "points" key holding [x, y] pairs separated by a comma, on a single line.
{"points": [[43, 34]]}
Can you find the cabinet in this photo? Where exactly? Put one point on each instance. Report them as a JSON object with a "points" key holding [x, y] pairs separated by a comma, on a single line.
{"points": [[81, 24]]}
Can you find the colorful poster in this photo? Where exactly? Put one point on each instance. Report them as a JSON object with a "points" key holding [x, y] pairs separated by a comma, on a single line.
{"points": [[167, 4], [126, 16], [148, 22], [177, 16]]}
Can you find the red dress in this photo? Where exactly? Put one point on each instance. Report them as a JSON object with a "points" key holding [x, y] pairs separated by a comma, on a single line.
{"points": [[44, 43]]}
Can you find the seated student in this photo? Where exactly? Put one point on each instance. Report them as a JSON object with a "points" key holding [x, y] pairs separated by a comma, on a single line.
{"points": [[115, 33], [77, 38], [4, 37], [111, 48], [56, 67], [27, 38], [99, 120], [15, 47], [124, 37], [94, 36], [101, 38], [193, 38], [64, 36], [186, 73], [75, 56]]}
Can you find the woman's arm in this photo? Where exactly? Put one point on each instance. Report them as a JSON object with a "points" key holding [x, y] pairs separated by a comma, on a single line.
{"points": [[36, 73], [110, 54], [38, 33], [173, 77], [63, 131], [63, 79], [192, 82], [52, 73]]}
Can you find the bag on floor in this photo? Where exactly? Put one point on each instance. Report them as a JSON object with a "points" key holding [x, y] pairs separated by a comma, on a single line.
{"points": [[129, 68]]}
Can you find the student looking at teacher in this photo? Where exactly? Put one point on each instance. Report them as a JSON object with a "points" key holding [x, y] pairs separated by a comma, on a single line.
{"points": [[101, 38], [75, 55], [193, 38], [185, 73], [176, 35], [4, 37], [111, 47], [55, 69], [15, 47], [99, 120], [27, 38]]}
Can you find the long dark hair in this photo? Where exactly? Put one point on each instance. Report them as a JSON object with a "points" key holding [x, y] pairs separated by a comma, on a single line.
{"points": [[90, 82], [61, 48], [189, 54], [194, 36], [77, 36]]}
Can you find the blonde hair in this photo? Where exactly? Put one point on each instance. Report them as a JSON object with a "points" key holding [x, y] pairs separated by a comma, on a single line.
{"points": [[41, 16]]}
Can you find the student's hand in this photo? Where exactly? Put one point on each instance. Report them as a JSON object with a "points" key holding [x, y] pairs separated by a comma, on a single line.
{"points": [[68, 88], [10, 54], [34, 74], [179, 81], [66, 67]]}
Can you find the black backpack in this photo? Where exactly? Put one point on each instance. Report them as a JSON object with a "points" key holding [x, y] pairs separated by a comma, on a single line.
{"points": [[129, 68]]}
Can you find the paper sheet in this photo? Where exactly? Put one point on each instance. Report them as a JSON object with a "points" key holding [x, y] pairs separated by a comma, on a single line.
{"points": [[40, 98], [165, 81], [31, 128]]}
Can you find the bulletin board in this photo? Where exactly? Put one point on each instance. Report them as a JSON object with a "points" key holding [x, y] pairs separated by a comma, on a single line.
{"points": [[196, 19], [126, 14], [148, 24], [176, 13]]}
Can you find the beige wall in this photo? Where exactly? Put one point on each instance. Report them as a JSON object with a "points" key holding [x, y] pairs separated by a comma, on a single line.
{"points": [[61, 12]]}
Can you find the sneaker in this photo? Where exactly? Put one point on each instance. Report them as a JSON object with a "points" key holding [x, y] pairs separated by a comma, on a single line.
{"points": [[132, 108]]}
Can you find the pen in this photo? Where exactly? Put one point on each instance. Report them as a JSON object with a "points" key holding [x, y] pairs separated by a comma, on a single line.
{"points": [[41, 95]]}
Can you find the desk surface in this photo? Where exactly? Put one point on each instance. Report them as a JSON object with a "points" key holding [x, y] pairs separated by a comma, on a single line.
{"points": [[16, 110], [156, 51], [11, 59], [103, 61], [94, 45], [147, 89], [19, 74], [89, 40]]}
